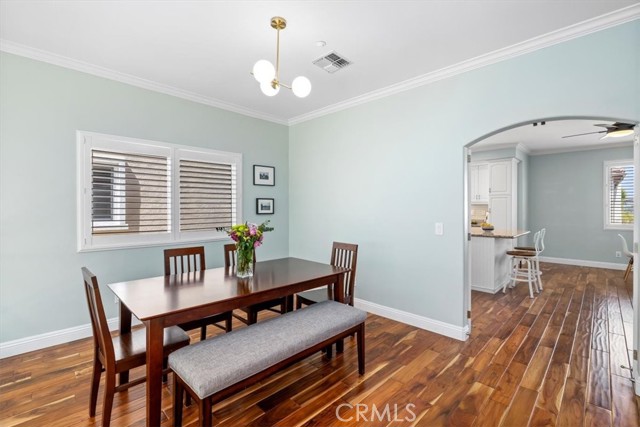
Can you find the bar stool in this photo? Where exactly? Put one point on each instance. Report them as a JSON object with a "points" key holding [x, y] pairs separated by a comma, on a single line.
{"points": [[538, 247], [525, 267]]}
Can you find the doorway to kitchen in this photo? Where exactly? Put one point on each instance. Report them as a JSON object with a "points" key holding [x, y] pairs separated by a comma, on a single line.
{"points": [[560, 141]]}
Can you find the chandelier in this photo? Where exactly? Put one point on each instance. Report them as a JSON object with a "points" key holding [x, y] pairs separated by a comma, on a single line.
{"points": [[269, 77]]}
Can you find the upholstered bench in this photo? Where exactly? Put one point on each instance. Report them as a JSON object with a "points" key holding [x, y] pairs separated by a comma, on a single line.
{"points": [[213, 369]]}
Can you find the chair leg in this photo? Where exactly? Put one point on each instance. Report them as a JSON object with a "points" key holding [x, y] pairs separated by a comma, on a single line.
{"points": [[530, 278], [629, 268], [252, 317], [228, 323], [360, 346], [109, 391], [206, 418], [95, 383], [539, 273], [178, 392]]}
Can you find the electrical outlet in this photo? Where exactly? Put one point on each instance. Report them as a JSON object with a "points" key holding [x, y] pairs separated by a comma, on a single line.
{"points": [[618, 254]]}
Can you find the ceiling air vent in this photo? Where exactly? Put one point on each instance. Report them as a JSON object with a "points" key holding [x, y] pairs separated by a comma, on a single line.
{"points": [[332, 62]]}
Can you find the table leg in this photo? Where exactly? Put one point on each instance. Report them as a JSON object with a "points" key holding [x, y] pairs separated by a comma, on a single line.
{"points": [[155, 332], [125, 328]]}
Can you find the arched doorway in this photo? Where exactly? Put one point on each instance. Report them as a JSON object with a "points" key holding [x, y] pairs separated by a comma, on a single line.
{"points": [[555, 122]]}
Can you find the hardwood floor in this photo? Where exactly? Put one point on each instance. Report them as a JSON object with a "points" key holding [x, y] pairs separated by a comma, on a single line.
{"points": [[553, 360]]}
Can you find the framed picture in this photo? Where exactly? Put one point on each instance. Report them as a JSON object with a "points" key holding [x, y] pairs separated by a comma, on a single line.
{"points": [[265, 206], [264, 175]]}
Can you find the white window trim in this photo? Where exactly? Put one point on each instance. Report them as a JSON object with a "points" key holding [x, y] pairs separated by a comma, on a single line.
{"points": [[606, 196], [88, 140]]}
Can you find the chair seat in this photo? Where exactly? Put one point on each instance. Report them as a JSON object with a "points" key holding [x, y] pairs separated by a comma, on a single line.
{"points": [[313, 296], [521, 253], [132, 348], [525, 248], [211, 320]]}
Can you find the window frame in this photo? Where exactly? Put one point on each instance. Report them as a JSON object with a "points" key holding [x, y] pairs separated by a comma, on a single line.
{"points": [[608, 165], [87, 141]]}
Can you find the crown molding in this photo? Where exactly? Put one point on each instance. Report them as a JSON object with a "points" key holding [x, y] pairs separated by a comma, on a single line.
{"points": [[585, 148], [66, 62], [580, 29], [618, 17]]}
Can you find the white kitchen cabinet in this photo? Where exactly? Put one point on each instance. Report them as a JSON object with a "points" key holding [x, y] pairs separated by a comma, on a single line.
{"points": [[500, 177], [500, 210], [479, 178], [503, 197]]}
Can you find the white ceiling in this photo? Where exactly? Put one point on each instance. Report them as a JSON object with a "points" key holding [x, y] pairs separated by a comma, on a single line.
{"points": [[204, 50]]}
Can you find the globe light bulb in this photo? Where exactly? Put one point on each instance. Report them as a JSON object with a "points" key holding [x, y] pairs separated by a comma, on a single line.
{"points": [[263, 71], [301, 87], [268, 89]]}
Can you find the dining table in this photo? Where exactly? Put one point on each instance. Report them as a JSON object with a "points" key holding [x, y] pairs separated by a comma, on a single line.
{"points": [[164, 301]]}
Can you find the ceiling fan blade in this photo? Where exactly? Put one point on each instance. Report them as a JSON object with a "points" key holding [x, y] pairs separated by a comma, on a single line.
{"points": [[588, 133]]}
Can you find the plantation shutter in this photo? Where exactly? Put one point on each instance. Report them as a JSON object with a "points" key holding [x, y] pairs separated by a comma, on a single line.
{"points": [[207, 195], [621, 196], [130, 193]]}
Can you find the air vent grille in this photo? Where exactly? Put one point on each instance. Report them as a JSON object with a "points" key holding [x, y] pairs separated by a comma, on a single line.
{"points": [[332, 62]]}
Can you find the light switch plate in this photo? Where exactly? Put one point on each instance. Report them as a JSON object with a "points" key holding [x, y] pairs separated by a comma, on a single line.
{"points": [[439, 229]]}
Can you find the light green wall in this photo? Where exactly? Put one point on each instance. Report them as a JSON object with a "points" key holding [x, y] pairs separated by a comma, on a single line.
{"points": [[382, 173], [41, 107], [566, 194]]}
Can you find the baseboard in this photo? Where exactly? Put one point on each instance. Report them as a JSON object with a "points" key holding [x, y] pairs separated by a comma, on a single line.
{"points": [[442, 328], [37, 342], [584, 263]]}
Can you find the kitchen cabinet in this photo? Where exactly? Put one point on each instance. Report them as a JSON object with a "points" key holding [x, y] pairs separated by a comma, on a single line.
{"points": [[479, 178], [503, 197], [490, 267]]}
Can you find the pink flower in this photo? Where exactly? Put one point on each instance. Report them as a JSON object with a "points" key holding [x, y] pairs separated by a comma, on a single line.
{"points": [[257, 243], [253, 229]]}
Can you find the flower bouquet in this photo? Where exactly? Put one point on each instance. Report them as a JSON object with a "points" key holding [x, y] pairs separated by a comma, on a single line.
{"points": [[247, 236]]}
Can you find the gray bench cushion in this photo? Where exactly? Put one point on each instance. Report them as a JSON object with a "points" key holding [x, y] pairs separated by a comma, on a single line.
{"points": [[213, 365]]}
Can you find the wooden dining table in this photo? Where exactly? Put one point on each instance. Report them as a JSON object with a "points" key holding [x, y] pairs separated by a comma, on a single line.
{"points": [[160, 302]]}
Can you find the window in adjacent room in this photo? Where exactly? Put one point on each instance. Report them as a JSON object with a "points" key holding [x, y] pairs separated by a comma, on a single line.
{"points": [[618, 194], [138, 193]]}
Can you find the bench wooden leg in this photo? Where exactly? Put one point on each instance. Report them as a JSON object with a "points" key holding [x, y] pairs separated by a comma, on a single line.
{"points": [[206, 418], [340, 346], [360, 344], [178, 392]]}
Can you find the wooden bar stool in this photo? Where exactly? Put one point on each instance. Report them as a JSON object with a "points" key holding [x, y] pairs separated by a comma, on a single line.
{"points": [[538, 248], [525, 267]]}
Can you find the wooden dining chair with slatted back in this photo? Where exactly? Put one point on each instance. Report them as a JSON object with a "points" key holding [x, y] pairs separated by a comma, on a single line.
{"points": [[188, 260], [342, 255], [251, 312], [118, 354]]}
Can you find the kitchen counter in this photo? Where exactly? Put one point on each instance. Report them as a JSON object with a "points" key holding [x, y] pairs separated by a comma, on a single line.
{"points": [[490, 266], [498, 233]]}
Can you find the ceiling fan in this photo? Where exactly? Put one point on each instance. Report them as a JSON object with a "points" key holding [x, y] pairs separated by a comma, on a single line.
{"points": [[616, 130]]}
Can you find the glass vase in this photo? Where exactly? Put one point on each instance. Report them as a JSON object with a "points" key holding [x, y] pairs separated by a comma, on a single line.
{"points": [[245, 262]]}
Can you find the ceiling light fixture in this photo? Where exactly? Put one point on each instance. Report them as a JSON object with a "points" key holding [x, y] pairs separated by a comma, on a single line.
{"points": [[269, 77]]}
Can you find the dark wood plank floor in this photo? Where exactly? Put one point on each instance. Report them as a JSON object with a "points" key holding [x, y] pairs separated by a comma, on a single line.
{"points": [[553, 360]]}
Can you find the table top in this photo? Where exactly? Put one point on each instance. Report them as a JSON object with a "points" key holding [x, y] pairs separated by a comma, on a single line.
{"points": [[157, 296], [498, 233]]}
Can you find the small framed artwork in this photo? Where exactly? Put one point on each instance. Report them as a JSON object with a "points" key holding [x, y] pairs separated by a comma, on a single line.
{"points": [[265, 206], [264, 175]]}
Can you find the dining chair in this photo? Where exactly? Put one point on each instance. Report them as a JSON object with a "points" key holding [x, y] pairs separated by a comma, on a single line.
{"points": [[627, 253], [342, 255], [251, 312], [188, 260], [118, 354]]}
